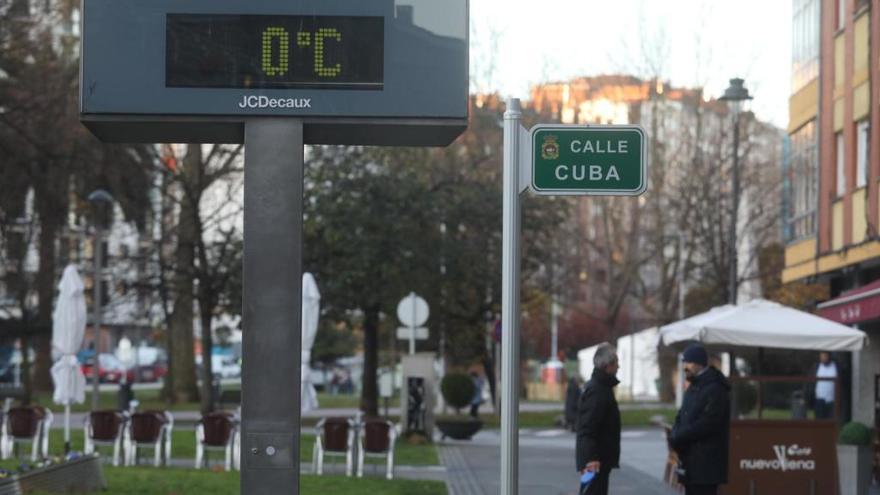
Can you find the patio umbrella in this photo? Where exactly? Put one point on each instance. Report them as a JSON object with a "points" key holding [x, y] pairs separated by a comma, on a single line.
{"points": [[68, 329], [311, 308]]}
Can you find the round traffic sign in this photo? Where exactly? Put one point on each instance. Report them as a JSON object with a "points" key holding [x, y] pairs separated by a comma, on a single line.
{"points": [[412, 310]]}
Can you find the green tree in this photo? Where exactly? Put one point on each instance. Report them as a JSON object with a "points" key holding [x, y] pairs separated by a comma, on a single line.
{"points": [[45, 150], [381, 222]]}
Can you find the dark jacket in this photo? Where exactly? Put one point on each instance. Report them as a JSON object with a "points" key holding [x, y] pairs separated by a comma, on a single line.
{"points": [[701, 434], [598, 423]]}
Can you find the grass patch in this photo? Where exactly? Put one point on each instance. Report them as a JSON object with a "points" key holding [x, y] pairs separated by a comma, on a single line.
{"points": [[149, 400], [151, 481], [338, 401]]}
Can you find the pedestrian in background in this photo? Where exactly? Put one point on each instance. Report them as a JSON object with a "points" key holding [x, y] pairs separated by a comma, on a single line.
{"points": [[572, 395], [598, 422], [701, 432], [824, 401], [477, 399]]}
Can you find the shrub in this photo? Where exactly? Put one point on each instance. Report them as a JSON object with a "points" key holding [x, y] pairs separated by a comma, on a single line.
{"points": [[458, 389], [855, 433]]}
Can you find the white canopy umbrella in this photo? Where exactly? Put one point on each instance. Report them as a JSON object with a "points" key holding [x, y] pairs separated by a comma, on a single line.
{"points": [[68, 330], [762, 323], [311, 309]]}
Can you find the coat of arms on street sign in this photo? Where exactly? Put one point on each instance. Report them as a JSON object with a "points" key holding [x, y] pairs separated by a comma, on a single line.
{"points": [[550, 148]]}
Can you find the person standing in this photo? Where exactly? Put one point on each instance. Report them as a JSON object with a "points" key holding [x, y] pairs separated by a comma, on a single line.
{"points": [[598, 422], [477, 399], [701, 434], [572, 394], [827, 368]]}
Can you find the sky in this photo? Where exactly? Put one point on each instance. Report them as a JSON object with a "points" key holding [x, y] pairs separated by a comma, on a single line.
{"points": [[689, 43]]}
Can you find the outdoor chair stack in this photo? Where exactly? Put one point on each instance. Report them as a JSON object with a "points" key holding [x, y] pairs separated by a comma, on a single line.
{"points": [[28, 424], [334, 437], [377, 437], [150, 429], [105, 427], [218, 431]]}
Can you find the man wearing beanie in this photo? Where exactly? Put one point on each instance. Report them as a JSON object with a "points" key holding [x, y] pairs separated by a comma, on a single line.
{"points": [[702, 427]]}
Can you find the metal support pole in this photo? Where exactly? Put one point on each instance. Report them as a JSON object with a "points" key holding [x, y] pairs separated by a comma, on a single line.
{"points": [[96, 319], [734, 214], [554, 329], [272, 306], [510, 302]]}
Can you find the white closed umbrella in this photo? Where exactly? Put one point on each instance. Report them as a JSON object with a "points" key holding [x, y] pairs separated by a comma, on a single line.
{"points": [[311, 309], [68, 330]]}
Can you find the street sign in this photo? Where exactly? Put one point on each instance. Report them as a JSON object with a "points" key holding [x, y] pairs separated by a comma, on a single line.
{"points": [[412, 310], [406, 333], [153, 68], [606, 160]]}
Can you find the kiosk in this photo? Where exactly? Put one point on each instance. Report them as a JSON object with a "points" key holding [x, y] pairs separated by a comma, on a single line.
{"points": [[773, 449]]}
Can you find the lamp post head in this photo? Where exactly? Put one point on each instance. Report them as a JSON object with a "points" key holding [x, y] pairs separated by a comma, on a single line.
{"points": [[102, 204], [100, 196], [735, 95]]}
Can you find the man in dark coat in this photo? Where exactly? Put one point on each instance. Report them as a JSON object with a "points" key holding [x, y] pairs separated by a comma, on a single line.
{"points": [[598, 422], [572, 395], [702, 427]]}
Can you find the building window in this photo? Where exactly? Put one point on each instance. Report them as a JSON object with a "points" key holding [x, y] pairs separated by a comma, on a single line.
{"points": [[840, 164], [805, 43], [862, 150], [801, 183], [841, 14]]}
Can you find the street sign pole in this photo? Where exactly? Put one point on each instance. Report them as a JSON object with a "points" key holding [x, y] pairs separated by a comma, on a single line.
{"points": [[272, 306], [510, 300], [412, 326]]}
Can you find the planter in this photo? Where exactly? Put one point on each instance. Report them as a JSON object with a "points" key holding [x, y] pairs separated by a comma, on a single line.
{"points": [[82, 475], [9, 486], [458, 428], [854, 466]]}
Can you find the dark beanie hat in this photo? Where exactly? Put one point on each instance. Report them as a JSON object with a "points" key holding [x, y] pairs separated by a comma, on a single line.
{"points": [[695, 353]]}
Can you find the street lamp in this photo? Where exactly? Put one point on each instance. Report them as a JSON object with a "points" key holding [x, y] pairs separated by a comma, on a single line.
{"points": [[99, 199], [735, 95]]}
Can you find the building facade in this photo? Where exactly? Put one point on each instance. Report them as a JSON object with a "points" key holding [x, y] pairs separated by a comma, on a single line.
{"points": [[832, 205]]}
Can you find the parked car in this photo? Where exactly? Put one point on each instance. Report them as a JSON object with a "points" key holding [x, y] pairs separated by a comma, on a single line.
{"points": [[225, 366], [151, 364], [110, 369]]}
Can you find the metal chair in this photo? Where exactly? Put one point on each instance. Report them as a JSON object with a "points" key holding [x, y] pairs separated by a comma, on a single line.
{"points": [[27, 425], [150, 429], [334, 437], [105, 427], [217, 431], [377, 437]]}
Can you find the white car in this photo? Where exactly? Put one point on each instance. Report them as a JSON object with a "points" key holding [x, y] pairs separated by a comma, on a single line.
{"points": [[225, 366]]}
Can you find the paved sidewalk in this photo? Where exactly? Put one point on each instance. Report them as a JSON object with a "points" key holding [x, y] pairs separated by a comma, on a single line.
{"points": [[547, 464]]}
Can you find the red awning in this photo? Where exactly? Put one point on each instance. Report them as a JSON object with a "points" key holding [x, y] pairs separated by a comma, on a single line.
{"points": [[853, 306]]}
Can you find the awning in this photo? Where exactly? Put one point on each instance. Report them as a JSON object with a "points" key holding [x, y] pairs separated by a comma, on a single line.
{"points": [[761, 323], [853, 306]]}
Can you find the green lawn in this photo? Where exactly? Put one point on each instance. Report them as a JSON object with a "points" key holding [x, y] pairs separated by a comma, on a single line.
{"points": [[341, 400], [149, 400], [147, 481]]}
